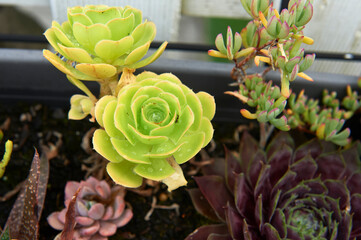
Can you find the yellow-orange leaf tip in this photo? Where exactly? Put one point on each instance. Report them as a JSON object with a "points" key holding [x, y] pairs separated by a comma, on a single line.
{"points": [[305, 76]]}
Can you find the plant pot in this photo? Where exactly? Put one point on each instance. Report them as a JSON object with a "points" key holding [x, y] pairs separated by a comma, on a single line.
{"points": [[28, 76]]}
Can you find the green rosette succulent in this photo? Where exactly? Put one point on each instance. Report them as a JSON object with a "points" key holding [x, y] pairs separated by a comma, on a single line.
{"points": [[155, 124], [97, 42]]}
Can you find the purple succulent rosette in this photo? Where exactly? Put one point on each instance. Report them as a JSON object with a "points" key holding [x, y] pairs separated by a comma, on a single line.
{"points": [[100, 209], [309, 192]]}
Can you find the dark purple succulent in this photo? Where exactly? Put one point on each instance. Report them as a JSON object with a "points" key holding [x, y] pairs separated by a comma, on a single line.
{"points": [[312, 191]]}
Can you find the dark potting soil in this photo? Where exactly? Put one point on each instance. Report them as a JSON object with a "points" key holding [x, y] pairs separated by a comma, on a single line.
{"points": [[30, 127]]}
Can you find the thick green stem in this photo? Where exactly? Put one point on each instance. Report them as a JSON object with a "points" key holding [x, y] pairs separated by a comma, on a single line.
{"points": [[177, 179]]}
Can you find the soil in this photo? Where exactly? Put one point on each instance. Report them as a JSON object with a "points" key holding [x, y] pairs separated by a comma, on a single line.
{"points": [[32, 126]]}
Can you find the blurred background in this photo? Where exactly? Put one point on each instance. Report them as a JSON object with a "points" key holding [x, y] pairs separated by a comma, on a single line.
{"points": [[191, 26]]}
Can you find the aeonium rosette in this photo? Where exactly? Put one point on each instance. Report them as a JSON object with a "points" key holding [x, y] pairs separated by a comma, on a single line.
{"points": [[98, 42], [153, 125]]}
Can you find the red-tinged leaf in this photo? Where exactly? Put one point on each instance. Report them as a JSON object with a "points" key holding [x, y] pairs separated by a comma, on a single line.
{"points": [[282, 138], [330, 166], [70, 220], [23, 221], [204, 231], [243, 197], [305, 168], [234, 222], [312, 148], [352, 159], [356, 212], [353, 183], [232, 168], [214, 190], [247, 149], [201, 204]]}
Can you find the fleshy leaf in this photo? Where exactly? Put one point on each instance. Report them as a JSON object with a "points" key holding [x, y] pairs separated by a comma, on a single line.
{"points": [[122, 173]]}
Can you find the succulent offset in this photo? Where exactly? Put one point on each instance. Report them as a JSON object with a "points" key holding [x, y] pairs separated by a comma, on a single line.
{"points": [[98, 42], [100, 209], [153, 125], [311, 191]]}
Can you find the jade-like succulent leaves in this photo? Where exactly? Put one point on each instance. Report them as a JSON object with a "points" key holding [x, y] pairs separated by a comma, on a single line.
{"points": [[152, 119], [311, 191], [98, 41]]}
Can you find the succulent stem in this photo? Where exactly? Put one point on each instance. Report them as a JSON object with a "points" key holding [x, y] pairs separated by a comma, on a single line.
{"points": [[177, 179], [265, 132], [126, 78], [108, 86]]}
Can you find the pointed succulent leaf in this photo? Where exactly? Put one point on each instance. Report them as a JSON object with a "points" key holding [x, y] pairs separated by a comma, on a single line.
{"points": [[220, 44], [66, 68], [97, 70], [307, 62], [110, 50], [149, 59]]}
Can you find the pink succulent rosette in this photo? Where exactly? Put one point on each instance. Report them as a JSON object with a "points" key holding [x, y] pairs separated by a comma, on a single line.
{"points": [[100, 209]]}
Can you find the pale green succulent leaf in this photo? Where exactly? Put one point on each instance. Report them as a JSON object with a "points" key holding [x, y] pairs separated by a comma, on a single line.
{"points": [[126, 94], [122, 119], [195, 104], [100, 107], [110, 50], [146, 139], [173, 89], [108, 119], [150, 91], [61, 36], [163, 150], [136, 12], [103, 15], [137, 54], [89, 36], [66, 67], [169, 77], [208, 104], [237, 43], [81, 86], [98, 70], [123, 174], [164, 130], [207, 128], [145, 75], [103, 145], [172, 101], [80, 18], [220, 44], [81, 106], [182, 125], [137, 109], [143, 34], [76, 54], [136, 153], [156, 171], [151, 58], [121, 27], [53, 40], [190, 145]]}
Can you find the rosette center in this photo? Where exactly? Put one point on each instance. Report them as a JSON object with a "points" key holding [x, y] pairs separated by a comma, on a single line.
{"points": [[307, 223], [155, 110]]}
